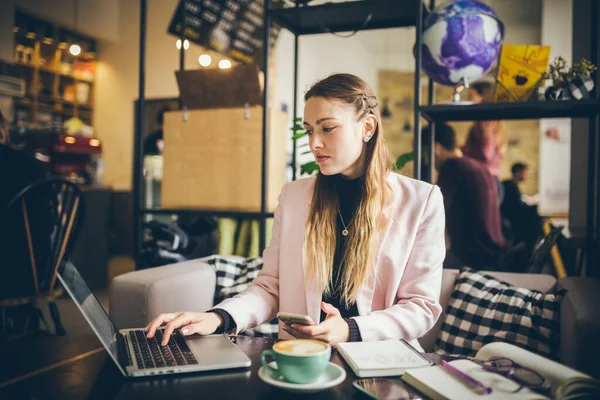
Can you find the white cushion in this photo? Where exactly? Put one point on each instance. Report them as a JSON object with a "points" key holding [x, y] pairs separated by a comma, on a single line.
{"points": [[137, 297]]}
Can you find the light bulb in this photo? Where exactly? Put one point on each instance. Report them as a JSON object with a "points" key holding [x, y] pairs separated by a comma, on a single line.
{"points": [[75, 49], [224, 64], [205, 60], [186, 44]]}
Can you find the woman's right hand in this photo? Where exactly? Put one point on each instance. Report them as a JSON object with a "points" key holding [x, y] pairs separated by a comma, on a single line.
{"points": [[189, 322]]}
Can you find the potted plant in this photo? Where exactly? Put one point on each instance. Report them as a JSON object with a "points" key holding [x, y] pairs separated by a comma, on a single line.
{"points": [[567, 83], [298, 132]]}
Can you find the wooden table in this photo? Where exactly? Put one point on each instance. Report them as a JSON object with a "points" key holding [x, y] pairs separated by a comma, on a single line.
{"points": [[79, 368]]}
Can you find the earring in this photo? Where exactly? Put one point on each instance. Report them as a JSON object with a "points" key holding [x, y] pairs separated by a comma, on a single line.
{"points": [[367, 138]]}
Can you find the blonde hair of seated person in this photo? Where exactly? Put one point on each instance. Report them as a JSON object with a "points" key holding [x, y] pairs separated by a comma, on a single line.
{"points": [[320, 232]]}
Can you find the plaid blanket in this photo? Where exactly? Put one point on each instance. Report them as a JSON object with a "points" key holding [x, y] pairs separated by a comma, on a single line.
{"points": [[234, 274]]}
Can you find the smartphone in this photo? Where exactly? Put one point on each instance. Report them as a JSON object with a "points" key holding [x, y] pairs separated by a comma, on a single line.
{"points": [[385, 389], [291, 318]]}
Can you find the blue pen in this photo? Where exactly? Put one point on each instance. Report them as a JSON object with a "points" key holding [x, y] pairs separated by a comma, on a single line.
{"points": [[467, 378]]}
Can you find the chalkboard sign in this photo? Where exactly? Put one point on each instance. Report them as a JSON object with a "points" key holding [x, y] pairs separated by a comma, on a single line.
{"points": [[231, 27]]}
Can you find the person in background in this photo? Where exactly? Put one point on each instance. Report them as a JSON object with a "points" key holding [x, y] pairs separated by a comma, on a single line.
{"points": [[17, 168], [473, 220], [486, 140], [481, 92], [17, 171], [525, 222], [512, 196], [357, 248]]}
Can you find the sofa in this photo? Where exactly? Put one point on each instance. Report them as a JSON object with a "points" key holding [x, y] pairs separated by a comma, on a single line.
{"points": [[137, 297]]}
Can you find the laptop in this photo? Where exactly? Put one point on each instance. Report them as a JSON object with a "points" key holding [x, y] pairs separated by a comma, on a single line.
{"points": [[135, 355]]}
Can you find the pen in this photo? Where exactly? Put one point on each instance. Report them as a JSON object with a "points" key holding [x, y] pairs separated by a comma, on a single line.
{"points": [[467, 378]]}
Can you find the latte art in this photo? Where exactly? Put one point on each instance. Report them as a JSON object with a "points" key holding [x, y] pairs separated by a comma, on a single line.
{"points": [[300, 347]]}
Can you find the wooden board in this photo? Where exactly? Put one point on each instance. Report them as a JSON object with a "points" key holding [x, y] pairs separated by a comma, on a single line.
{"points": [[214, 159]]}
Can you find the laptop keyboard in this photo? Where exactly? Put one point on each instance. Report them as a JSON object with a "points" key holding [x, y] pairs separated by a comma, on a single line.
{"points": [[149, 353]]}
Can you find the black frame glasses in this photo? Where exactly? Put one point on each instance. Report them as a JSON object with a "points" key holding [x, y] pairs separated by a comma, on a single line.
{"points": [[523, 376]]}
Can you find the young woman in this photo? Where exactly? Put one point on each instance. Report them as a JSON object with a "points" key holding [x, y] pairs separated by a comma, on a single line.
{"points": [[357, 248], [486, 140]]}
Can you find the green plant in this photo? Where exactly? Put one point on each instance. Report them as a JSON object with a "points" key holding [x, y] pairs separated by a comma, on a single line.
{"points": [[402, 160], [561, 74], [405, 158], [298, 132], [583, 67]]}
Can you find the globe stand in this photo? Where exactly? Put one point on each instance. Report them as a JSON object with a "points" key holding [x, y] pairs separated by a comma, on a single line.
{"points": [[464, 84], [458, 90]]}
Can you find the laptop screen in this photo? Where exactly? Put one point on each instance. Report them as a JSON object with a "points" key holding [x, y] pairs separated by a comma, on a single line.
{"points": [[89, 306]]}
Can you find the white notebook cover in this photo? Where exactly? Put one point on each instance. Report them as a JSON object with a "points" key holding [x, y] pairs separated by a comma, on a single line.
{"points": [[381, 358]]}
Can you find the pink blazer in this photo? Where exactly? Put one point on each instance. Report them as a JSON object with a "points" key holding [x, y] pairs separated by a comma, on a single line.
{"points": [[401, 303]]}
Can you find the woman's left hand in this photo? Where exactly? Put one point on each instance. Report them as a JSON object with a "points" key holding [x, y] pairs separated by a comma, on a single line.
{"points": [[333, 330]]}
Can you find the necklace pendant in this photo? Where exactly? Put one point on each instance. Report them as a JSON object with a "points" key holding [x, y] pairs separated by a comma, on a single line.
{"points": [[345, 232]]}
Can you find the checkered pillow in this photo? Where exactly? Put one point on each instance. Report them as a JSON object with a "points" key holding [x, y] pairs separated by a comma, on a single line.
{"points": [[483, 309], [234, 274]]}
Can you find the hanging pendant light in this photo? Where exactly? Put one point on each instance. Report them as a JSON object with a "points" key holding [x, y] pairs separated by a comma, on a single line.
{"points": [[186, 44], [75, 49], [205, 60], [225, 64]]}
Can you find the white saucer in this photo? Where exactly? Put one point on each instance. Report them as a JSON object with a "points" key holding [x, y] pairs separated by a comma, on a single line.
{"points": [[333, 375]]}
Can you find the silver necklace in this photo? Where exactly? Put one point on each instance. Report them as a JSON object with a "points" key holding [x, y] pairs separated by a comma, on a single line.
{"points": [[345, 231]]}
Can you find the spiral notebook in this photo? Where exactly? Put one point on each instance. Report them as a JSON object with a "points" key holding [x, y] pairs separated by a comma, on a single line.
{"points": [[382, 358]]}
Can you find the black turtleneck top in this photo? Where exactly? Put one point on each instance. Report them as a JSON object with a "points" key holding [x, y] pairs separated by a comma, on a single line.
{"points": [[349, 195]]}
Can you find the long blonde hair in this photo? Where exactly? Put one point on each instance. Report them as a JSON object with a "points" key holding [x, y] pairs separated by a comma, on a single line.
{"points": [[321, 227]]}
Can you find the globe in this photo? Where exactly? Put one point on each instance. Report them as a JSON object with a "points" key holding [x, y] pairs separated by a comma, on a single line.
{"points": [[461, 42]]}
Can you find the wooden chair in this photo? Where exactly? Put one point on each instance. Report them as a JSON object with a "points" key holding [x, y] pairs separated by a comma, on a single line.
{"points": [[38, 229], [543, 252], [559, 266]]}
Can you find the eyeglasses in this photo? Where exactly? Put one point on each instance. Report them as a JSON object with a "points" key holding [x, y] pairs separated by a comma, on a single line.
{"points": [[524, 377]]}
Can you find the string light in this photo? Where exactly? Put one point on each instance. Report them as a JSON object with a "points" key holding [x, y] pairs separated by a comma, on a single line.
{"points": [[205, 60], [224, 64], [186, 44]]}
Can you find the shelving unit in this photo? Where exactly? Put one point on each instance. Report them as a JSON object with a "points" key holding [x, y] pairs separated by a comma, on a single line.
{"points": [[360, 15], [343, 17], [331, 18], [588, 109], [505, 111], [368, 15], [139, 208], [50, 73]]}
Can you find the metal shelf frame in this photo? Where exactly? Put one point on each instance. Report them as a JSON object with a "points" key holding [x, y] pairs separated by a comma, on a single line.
{"points": [[589, 109]]}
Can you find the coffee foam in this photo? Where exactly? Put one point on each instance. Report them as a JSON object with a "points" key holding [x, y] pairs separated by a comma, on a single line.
{"points": [[300, 346]]}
